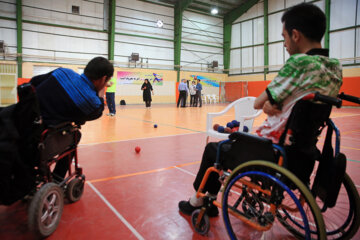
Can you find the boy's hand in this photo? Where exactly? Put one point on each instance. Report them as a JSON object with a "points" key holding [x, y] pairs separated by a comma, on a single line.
{"points": [[270, 109]]}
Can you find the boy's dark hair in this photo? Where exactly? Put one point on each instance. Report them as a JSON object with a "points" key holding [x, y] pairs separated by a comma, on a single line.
{"points": [[306, 18], [99, 67]]}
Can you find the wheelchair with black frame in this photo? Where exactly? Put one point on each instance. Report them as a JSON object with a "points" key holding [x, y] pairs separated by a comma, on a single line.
{"points": [[312, 198], [28, 153]]}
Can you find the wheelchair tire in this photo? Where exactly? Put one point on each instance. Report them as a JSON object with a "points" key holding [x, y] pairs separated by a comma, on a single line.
{"points": [[45, 210], [204, 225], [285, 187], [74, 190], [347, 212]]}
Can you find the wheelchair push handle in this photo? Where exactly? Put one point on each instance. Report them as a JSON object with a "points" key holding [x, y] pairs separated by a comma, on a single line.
{"points": [[325, 99], [349, 98]]}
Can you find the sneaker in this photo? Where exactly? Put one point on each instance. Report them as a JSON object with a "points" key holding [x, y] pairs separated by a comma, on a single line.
{"points": [[108, 114], [186, 208], [112, 114]]}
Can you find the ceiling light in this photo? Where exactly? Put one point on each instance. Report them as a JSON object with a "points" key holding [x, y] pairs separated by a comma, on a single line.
{"points": [[214, 11]]}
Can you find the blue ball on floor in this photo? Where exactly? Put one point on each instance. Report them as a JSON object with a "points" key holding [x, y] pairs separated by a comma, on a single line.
{"points": [[246, 129], [155, 125], [221, 129]]}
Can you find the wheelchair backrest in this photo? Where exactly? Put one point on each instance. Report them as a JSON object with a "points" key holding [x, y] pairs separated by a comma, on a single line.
{"points": [[306, 122]]}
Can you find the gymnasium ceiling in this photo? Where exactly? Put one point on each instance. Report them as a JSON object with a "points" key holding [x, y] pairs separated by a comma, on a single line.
{"points": [[205, 6]]}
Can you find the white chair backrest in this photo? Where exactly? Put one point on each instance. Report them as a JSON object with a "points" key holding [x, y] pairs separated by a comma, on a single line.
{"points": [[245, 107]]}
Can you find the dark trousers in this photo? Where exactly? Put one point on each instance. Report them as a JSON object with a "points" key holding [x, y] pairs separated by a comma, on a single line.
{"points": [[148, 103], [193, 101], [198, 98], [182, 99], [209, 157], [110, 101]]}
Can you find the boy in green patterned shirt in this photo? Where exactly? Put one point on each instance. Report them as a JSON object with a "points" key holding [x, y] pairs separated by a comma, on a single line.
{"points": [[308, 69]]}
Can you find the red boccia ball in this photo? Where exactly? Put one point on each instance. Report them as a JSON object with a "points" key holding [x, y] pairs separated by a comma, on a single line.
{"points": [[137, 149]]}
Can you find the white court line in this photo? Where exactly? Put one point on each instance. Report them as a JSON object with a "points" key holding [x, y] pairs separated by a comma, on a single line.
{"points": [[186, 171], [136, 139], [116, 212]]}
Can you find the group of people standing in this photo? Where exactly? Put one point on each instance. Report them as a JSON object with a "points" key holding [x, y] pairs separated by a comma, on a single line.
{"points": [[184, 88], [194, 90]]}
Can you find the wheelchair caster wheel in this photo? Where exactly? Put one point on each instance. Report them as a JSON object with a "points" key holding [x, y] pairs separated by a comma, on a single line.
{"points": [[45, 210], [75, 189], [204, 226]]}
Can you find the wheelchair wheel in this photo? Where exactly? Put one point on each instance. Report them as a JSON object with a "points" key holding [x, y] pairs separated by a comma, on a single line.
{"points": [[45, 210], [204, 226], [254, 188], [347, 211], [75, 189]]}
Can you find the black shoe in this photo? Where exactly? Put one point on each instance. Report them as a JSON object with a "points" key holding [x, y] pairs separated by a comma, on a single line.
{"points": [[186, 208]]}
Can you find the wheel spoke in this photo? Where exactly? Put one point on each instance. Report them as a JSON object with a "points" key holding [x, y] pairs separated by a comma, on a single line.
{"points": [[44, 217], [53, 199]]}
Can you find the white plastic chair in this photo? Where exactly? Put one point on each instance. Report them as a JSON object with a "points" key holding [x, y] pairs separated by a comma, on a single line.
{"points": [[213, 98], [244, 113], [204, 98]]}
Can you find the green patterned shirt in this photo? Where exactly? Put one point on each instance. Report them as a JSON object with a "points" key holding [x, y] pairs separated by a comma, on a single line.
{"points": [[305, 73], [302, 74]]}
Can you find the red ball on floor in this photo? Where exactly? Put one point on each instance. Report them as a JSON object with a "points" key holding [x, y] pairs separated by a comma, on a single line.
{"points": [[137, 149]]}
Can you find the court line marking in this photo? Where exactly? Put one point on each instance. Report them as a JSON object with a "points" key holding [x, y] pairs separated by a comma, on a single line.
{"points": [[186, 171], [141, 173], [136, 139], [127, 224]]}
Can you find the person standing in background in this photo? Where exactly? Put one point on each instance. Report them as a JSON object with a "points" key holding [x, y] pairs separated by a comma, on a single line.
{"points": [[198, 92], [147, 90], [193, 94], [183, 89], [110, 96]]}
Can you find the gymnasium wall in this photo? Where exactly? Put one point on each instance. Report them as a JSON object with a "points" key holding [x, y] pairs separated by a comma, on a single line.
{"points": [[202, 41], [247, 42], [136, 32], [51, 31]]}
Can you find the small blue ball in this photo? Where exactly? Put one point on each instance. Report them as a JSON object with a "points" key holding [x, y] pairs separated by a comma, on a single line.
{"points": [[230, 125], [235, 123], [221, 129], [155, 125], [246, 129]]}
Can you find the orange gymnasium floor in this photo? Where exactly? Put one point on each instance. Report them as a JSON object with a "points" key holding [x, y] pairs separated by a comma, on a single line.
{"points": [[135, 196]]}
